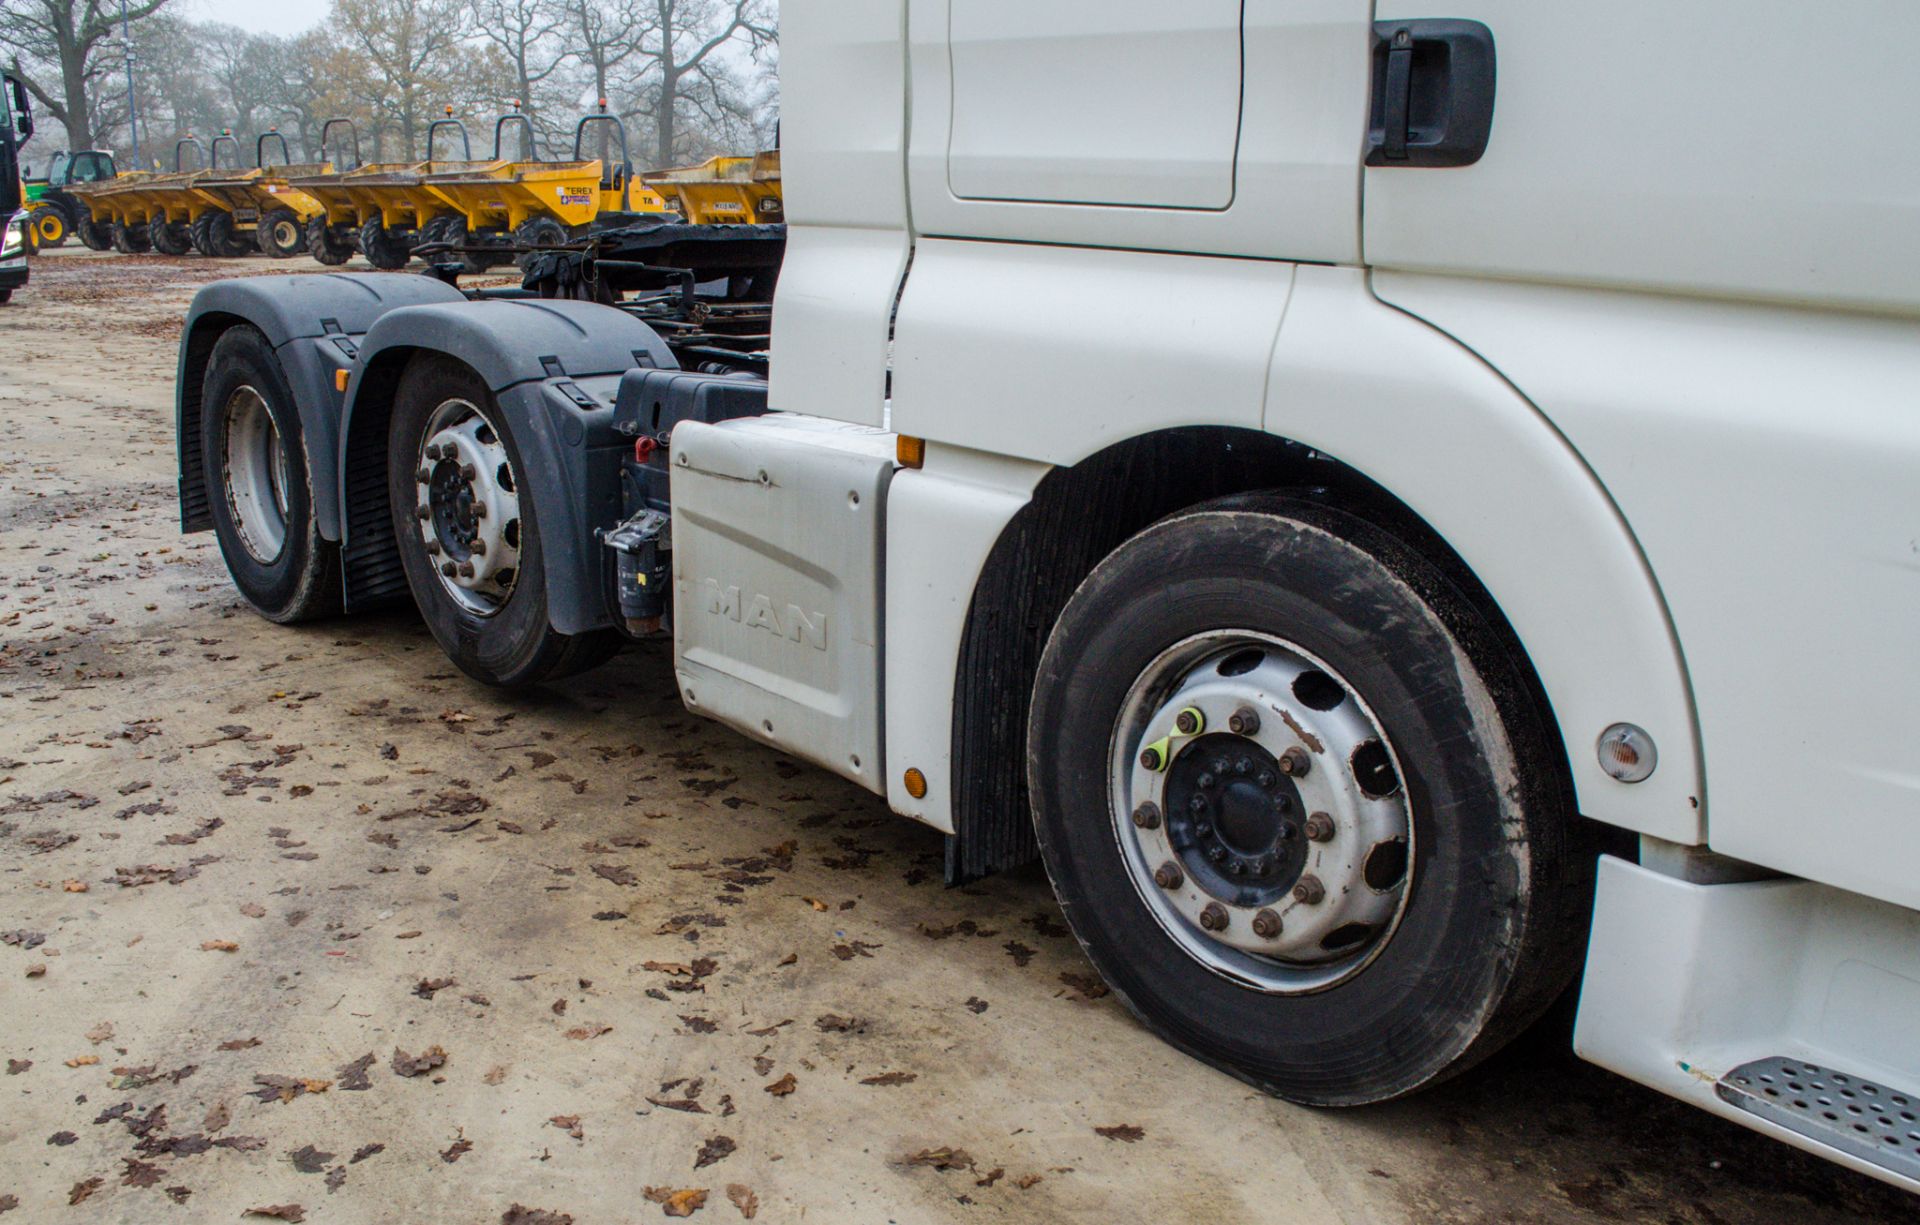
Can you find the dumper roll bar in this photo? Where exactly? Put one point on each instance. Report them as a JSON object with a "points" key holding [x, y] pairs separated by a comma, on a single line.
{"points": [[466, 145], [260, 149], [213, 161], [353, 131], [181, 144], [620, 130], [532, 145]]}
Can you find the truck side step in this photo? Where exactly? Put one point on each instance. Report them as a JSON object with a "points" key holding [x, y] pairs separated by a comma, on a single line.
{"points": [[1866, 1120]]}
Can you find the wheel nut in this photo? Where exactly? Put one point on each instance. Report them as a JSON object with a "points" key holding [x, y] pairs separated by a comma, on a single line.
{"points": [[1198, 803], [1310, 891], [424, 475], [1189, 721], [1244, 722], [433, 548], [1214, 917], [1266, 925], [479, 548], [1319, 827], [1154, 756], [1147, 816], [1265, 780], [1236, 868], [1168, 876], [1216, 853], [466, 569], [479, 510], [423, 512], [1294, 763], [468, 472], [446, 568]]}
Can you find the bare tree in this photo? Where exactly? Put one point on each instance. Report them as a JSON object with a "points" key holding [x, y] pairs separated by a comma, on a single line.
{"points": [[525, 33], [407, 49], [603, 35], [682, 71], [66, 37]]}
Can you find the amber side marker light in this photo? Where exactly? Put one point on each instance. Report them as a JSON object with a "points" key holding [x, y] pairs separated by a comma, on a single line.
{"points": [[916, 784], [910, 451], [340, 378]]}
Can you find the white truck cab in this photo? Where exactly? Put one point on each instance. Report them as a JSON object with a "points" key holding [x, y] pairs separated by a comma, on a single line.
{"points": [[1397, 509]]}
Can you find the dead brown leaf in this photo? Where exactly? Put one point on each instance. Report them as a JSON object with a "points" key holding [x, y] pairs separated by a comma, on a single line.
{"points": [[100, 1033], [82, 1189], [582, 1033], [83, 1061], [1124, 1132], [942, 1158], [219, 946], [889, 1079], [744, 1199], [785, 1085], [717, 1148], [279, 1212], [684, 1202], [414, 1065]]}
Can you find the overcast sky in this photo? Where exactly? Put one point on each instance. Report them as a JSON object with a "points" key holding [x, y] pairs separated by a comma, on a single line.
{"points": [[259, 16]]}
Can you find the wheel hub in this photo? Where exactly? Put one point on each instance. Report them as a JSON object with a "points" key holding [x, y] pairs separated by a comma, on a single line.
{"points": [[1259, 811], [255, 475], [468, 507]]}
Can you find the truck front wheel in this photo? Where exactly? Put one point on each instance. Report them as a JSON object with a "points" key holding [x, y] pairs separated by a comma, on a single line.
{"points": [[258, 483], [468, 534], [1301, 806]]}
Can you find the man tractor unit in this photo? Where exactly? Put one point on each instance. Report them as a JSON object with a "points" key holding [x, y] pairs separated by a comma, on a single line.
{"points": [[16, 126], [1396, 512]]}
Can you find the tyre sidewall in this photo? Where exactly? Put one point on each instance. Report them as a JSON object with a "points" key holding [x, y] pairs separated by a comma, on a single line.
{"points": [[277, 589], [515, 644], [1411, 1013]]}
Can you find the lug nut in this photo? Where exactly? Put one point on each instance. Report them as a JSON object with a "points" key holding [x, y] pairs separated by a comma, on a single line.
{"points": [[466, 569], [1154, 756], [1198, 803], [1214, 917], [1266, 780], [1294, 763], [479, 510], [468, 472], [446, 568], [1147, 816], [1310, 891], [1319, 827], [423, 512], [1190, 721], [1261, 865], [433, 548], [1203, 829], [1216, 853], [1266, 925], [479, 548], [1236, 868], [1168, 876], [1244, 722], [424, 475], [1283, 803], [1243, 767], [1287, 831]]}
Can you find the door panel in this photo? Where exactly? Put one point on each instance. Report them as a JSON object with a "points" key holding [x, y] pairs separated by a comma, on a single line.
{"points": [[1095, 101]]}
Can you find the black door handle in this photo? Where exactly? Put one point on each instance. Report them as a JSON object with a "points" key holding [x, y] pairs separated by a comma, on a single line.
{"points": [[1433, 85]]}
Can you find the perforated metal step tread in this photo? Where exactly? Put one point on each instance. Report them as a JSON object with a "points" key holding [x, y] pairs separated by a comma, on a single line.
{"points": [[1868, 1120]]}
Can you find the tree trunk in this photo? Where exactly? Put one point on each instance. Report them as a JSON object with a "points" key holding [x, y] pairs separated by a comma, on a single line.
{"points": [[73, 75]]}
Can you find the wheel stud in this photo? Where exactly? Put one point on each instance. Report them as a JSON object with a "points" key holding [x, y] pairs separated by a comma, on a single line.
{"points": [[1203, 829], [1266, 780], [1243, 767], [1294, 763], [1214, 917], [1287, 831], [1266, 925], [1244, 722], [1310, 891], [1283, 803], [1167, 876], [1147, 816], [1319, 827], [1190, 721], [1236, 868], [1198, 803], [1216, 853]]}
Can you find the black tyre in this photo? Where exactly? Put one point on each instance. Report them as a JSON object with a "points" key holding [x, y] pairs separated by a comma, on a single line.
{"points": [[170, 238], [47, 227], [325, 244], [280, 234], [215, 235], [6, 296], [131, 239], [94, 235], [259, 483], [1354, 867], [538, 232], [453, 484], [383, 248]]}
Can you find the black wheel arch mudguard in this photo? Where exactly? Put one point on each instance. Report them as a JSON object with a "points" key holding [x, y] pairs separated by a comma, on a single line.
{"points": [[551, 366], [312, 322]]}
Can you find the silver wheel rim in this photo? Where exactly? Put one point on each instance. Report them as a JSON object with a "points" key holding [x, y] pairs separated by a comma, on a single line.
{"points": [[467, 507], [256, 475], [1280, 858]]}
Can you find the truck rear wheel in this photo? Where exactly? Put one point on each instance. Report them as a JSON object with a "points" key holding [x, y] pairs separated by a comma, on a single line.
{"points": [[469, 540], [258, 483], [325, 245], [94, 235], [169, 238], [383, 248], [280, 235], [1300, 806], [215, 234], [131, 239]]}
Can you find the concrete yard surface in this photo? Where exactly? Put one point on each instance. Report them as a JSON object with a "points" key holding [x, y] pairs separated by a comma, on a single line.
{"points": [[301, 920]]}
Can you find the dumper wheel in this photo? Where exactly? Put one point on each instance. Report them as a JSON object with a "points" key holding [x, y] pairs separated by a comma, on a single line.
{"points": [[1301, 804], [468, 537], [383, 248], [215, 234], [279, 234], [325, 244], [538, 232], [95, 235], [131, 239], [258, 483], [170, 238], [47, 227]]}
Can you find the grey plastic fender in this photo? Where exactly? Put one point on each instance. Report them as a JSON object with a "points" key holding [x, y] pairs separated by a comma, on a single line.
{"points": [[553, 366], [311, 321]]}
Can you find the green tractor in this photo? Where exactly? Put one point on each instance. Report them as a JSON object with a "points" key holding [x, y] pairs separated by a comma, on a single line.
{"points": [[54, 212]]}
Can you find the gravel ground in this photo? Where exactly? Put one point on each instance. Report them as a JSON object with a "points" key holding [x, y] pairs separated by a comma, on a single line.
{"points": [[299, 922]]}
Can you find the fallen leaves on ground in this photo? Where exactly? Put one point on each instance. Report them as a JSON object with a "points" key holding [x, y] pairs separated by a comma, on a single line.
{"points": [[279, 1212], [309, 1160], [458, 1149], [353, 1076], [569, 1123], [1125, 1132], [83, 1061], [684, 1202], [832, 1023], [744, 1199], [581, 1033], [520, 1214], [942, 1158], [718, 1148], [219, 946], [889, 1079], [785, 1085], [82, 1189], [414, 1065]]}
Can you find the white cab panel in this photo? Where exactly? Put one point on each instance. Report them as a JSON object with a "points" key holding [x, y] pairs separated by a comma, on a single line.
{"points": [[843, 126], [778, 524], [1295, 181], [1051, 353], [1431, 423], [1727, 147], [1766, 459], [1685, 982], [1065, 101]]}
